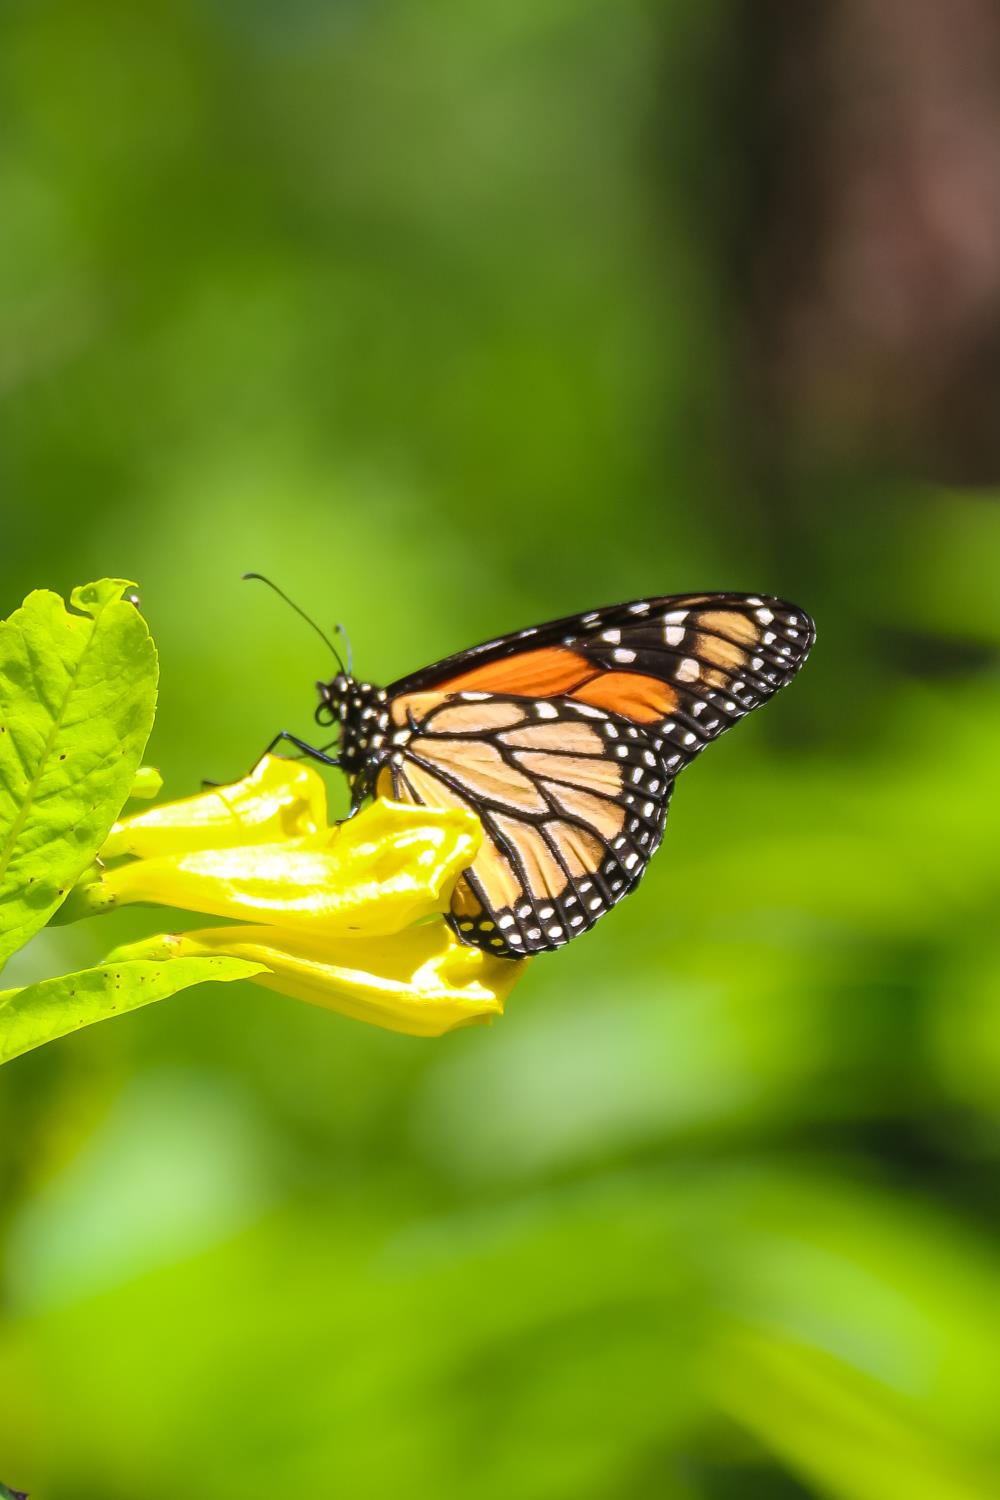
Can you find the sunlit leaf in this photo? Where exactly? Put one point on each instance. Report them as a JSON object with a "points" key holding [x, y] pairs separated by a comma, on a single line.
{"points": [[77, 695], [55, 1007]]}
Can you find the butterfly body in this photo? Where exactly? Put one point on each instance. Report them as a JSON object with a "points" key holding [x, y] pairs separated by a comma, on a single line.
{"points": [[565, 739]]}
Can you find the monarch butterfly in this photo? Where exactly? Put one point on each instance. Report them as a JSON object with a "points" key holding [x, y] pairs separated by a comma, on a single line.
{"points": [[565, 739]]}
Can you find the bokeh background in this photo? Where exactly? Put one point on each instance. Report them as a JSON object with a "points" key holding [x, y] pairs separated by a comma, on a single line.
{"points": [[454, 318]]}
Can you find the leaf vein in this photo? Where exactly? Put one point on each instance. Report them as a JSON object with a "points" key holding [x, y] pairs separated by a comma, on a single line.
{"points": [[21, 817]]}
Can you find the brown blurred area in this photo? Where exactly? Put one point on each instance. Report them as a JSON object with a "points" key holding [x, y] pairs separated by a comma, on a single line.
{"points": [[872, 270]]}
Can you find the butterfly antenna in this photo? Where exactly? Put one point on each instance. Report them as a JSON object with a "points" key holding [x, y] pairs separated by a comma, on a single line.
{"points": [[309, 621], [341, 629]]}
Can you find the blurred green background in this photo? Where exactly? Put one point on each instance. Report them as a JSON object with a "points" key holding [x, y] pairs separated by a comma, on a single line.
{"points": [[454, 318]]}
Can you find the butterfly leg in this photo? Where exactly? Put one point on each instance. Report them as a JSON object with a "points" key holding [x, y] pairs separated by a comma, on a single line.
{"points": [[312, 751], [316, 753]]}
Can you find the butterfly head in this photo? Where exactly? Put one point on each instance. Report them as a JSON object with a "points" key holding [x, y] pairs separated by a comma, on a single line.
{"points": [[360, 711]]}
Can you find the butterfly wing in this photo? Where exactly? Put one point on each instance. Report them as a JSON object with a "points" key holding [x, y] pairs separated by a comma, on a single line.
{"points": [[565, 740], [762, 627], [572, 803]]}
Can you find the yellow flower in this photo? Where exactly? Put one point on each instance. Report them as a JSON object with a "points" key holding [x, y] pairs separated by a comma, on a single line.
{"points": [[332, 908]]}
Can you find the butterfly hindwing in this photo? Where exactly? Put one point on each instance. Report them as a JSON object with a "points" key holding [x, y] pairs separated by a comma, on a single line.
{"points": [[572, 800]]}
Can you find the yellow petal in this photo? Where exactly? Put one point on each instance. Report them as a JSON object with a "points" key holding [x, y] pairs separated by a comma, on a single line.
{"points": [[389, 866], [279, 799], [423, 981]]}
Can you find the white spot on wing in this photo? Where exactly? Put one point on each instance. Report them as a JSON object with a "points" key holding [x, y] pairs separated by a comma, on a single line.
{"points": [[614, 635], [623, 654]]}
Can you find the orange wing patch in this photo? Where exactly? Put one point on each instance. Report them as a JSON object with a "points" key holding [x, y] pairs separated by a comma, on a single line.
{"points": [[607, 817], [633, 695], [496, 878], [733, 625], [592, 772], [531, 674], [464, 901], [581, 851], [721, 653], [476, 718], [418, 785], [564, 736], [546, 877], [479, 770], [415, 706]]}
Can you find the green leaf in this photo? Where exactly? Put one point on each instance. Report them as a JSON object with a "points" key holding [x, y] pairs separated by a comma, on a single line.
{"points": [[42, 1012], [838, 1428], [77, 697]]}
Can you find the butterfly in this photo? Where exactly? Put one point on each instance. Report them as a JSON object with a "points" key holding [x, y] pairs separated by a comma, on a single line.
{"points": [[565, 740]]}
